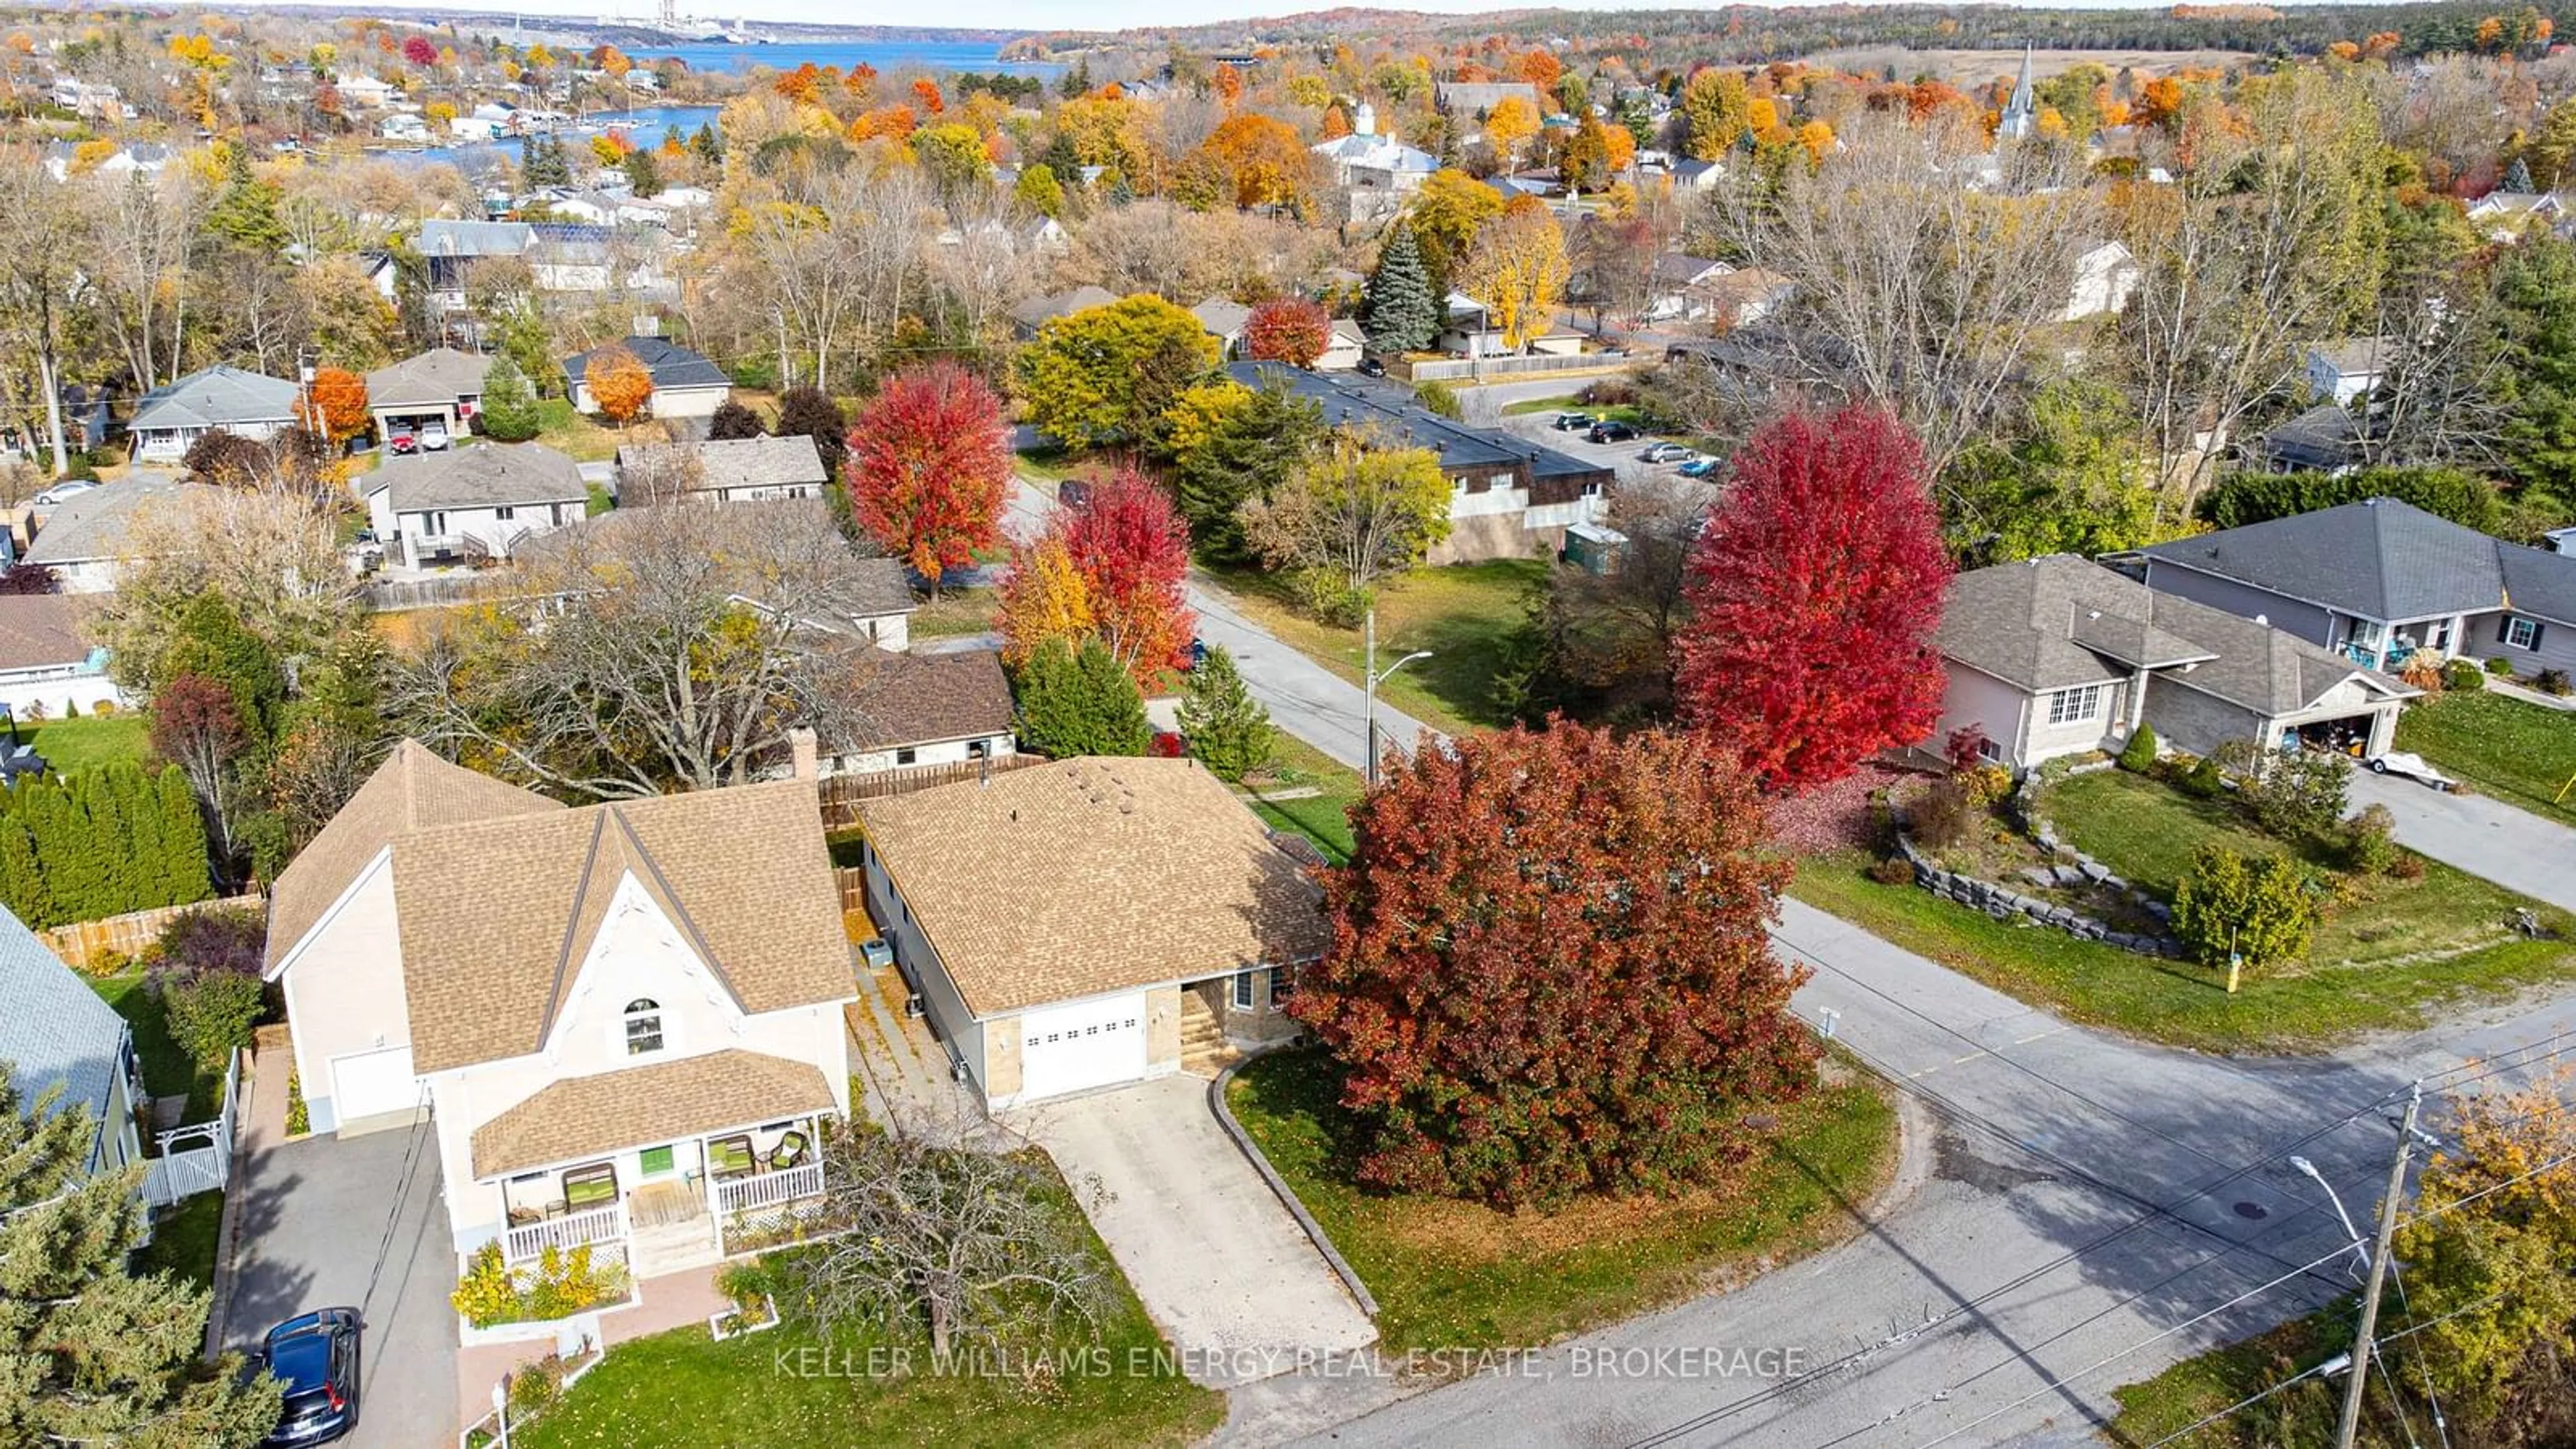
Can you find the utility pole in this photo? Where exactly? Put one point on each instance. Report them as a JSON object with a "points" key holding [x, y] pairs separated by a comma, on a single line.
{"points": [[1371, 677], [2350, 1423]]}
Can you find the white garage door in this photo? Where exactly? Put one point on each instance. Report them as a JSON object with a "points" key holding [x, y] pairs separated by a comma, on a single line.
{"points": [[1068, 1048], [371, 1083]]}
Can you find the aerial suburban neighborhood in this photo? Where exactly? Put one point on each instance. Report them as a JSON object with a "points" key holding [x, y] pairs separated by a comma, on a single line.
{"points": [[1806, 727]]}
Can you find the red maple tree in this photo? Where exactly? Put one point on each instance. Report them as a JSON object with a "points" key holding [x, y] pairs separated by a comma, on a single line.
{"points": [[1132, 550], [1287, 329], [420, 50], [1550, 971], [1815, 592], [929, 470]]}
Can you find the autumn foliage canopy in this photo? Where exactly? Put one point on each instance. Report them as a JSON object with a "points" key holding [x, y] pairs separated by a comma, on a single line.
{"points": [[1287, 329], [1127, 550], [1549, 971], [929, 470], [337, 401], [620, 385], [1816, 591]]}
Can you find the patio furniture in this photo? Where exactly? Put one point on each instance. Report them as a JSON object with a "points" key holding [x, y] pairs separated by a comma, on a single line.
{"points": [[731, 1157], [789, 1152]]}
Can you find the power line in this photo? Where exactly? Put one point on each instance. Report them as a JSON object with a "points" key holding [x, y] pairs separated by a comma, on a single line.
{"points": [[2513, 1059]]}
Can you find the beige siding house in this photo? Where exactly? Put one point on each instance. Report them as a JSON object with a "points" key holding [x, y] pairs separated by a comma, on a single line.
{"points": [[1090, 922], [623, 1020]]}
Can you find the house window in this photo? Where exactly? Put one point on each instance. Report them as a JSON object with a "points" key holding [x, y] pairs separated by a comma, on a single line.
{"points": [[505, 513], [906, 755], [1280, 986], [2074, 706], [979, 749], [2522, 633], [643, 1026], [1989, 751], [654, 1161], [1243, 991]]}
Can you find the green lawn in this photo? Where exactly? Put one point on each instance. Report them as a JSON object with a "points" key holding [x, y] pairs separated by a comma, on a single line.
{"points": [[957, 611], [1324, 817], [183, 1241], [789, 1387], [167, 1071], [2519, 752], [2155, 1409], [1571, 403], [1462, 613], [2149, 832], [575, 436], [1450, 1274], [77, 744], [2175, 1002]]}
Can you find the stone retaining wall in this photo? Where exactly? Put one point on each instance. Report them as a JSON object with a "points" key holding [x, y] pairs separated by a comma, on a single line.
{"points": [[2078, 869]]}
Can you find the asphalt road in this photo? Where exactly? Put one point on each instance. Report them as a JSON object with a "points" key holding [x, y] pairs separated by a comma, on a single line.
{"points": [[2087, 1197]]}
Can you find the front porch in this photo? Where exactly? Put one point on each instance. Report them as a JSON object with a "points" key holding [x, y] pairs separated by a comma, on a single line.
{"points": [[665, 1207]]}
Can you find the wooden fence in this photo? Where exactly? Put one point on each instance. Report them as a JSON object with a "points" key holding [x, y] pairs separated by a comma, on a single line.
{"points": [[839, 796], [85, 945], [853, 882]]}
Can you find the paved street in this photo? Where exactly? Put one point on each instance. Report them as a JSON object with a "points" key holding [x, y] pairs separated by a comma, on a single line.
{"points": [[2087, 1194], [2479, 834]]}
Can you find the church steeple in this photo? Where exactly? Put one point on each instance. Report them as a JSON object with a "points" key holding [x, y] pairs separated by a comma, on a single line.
{"points": [[2021, 113]]}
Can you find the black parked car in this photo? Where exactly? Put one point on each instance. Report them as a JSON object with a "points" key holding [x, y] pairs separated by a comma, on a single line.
{"points": [[1610, 430], [1372, 367], [316, 1356]]}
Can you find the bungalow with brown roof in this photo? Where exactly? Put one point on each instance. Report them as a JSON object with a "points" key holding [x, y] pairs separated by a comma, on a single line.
{"points": [[922, 710], [623, 1020], [47, 670], [1090, 922]]}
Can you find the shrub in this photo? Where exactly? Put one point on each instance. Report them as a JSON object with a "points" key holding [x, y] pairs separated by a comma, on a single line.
{"points": [[1334, 599], [1966, 748], [2500, 667], [2366, 846], [2552, 681], [2293, 793], [2259, 910], [1893, 870], [1611, 392], [1941, 815], [1985, 784], [2421, 672], [212, 1012], [2463, 675], [485, 1295], [535, 1387], [104, 709], [2407, 866], [215, 938], [2203, 781], [1440, 398], [2138, 756], [299, 1117]]}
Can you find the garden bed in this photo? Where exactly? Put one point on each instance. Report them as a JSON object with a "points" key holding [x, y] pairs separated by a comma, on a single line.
{"points": [[1460, 1275]]}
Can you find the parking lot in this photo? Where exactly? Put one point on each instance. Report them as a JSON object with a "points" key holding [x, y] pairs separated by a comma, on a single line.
{"points": [[1622, 458]]}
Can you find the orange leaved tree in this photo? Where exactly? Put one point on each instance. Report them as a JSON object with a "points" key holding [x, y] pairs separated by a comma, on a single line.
{"points": [[620, 385]]}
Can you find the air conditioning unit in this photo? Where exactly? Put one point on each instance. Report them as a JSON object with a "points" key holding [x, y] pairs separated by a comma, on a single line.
{"points": [[914, 1008]]}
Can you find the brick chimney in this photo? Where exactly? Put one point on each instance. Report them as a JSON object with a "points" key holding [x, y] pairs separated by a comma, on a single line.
{"points": [[806, 754]]}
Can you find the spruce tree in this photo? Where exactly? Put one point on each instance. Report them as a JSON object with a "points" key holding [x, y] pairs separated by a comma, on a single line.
{"points": [[1403, 315], [509, 412], [1113, 703], [1249, 451], [97, 1355], [2517, 177], [1225, 728], [1079, 703]]}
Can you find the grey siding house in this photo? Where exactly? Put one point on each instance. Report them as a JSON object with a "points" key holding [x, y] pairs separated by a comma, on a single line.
{"points": [[2378, 582], [56, 1032], [2060, 656]]}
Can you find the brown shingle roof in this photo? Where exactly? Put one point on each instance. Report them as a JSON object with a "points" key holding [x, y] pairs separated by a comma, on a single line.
{"points": [[37, 630], [412, 790], [1092, 875], [497, 916], [917, 699], [592, 1116]]}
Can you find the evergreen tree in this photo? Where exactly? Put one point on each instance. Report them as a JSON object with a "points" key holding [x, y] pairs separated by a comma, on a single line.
{"points": [[22, 882], [544, 163], [2517, 177], [186, 859], [212, 642], [2537, 283], [705, 145], [1402, 315], [509, 404], [1225, 728], [1080, 703], [1247, 450], [95, 1354], [245, 211]]}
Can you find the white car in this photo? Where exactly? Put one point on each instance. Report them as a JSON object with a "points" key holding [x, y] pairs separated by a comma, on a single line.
{"points": [[66, 489], [2411, 765], [433, 437]]}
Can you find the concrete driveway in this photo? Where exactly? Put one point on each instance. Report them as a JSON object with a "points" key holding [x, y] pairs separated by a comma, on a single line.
{"points": [[2483, 836], [1221, 1266], [327, 1223]]}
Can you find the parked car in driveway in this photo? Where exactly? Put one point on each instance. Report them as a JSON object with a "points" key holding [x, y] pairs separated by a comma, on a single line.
{"points": [[402, 444], [1665, 453], [68, 488], [1572, 422], [434, 437], [1611, 430], [315, 1355], [1372, 367]]}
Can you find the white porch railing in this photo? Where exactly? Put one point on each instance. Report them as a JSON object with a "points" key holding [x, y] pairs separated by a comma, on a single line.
{"points": [[769, 1189], [574, 1230], [196, 1158]]}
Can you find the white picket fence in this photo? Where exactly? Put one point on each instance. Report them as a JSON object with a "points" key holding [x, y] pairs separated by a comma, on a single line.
{"points": [[573, 1230], [769, 1189], [198, 1157]]}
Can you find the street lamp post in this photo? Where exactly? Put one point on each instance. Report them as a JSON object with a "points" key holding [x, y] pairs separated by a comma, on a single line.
{"points": [[1372, 676]]}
